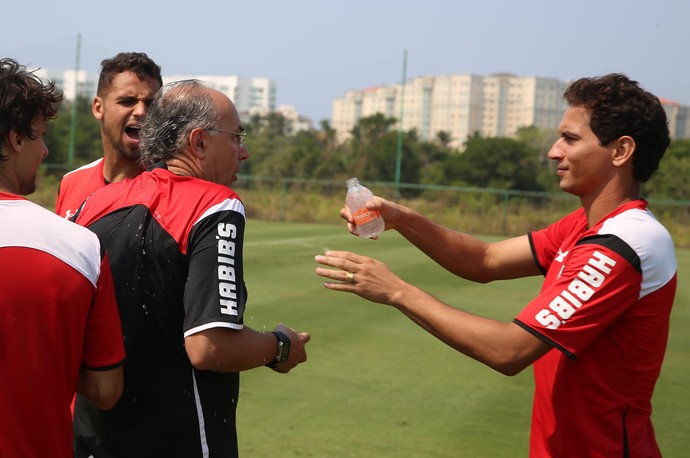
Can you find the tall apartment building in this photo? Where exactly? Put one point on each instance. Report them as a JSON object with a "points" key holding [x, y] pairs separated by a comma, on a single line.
{"points": [[512, 102], [71, 82], [250, 95], [678, 118], [460, 105], [457, 106], [294, 120]]}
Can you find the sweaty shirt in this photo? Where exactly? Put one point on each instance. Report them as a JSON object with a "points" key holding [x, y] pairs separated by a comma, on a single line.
{"points": [[176, 246]]}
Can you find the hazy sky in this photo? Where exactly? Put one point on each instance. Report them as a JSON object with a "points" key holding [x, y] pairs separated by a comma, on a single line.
{"points": [[315, 51]]}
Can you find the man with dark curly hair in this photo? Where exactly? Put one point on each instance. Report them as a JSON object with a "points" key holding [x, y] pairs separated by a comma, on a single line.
{"points": [[59, 324], [596, 333]]}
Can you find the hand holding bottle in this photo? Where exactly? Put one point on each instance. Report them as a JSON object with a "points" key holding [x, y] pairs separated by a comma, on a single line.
{"points": [[368, 222], [392, 213]]}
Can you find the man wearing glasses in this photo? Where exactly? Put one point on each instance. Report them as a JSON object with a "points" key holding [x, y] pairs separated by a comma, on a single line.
{"points": [[175, 237]]}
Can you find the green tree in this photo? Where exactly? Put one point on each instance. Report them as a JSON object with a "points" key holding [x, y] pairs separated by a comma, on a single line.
{"points": [[327, 135], [541, 140], [87, 138], [309, 158], [372, 152], [671, 180], [276, 152], [501, 163], [370, 131], [269, 146], [443, 138]]}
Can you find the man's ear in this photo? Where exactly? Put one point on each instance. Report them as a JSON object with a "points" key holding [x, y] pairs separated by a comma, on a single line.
{"points": [[97, 108], [15, 140], [623, 150], [197, 143]]}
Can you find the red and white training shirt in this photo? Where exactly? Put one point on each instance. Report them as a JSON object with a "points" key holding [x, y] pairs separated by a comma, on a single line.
{"points": [[77, 185], [605, 307], [57, 314]]}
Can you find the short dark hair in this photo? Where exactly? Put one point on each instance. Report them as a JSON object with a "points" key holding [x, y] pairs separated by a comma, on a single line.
{"points": [[618, 106], [137, 62], [23, 97]]}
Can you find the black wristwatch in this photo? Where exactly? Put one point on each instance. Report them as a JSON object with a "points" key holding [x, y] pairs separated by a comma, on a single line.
{"points": [[283, 349]]}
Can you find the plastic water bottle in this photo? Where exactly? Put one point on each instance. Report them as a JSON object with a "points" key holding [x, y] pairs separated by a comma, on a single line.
{"points": [[368, 222]]}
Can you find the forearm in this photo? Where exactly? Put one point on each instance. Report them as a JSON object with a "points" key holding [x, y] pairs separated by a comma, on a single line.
{"points": [[505, 347], [227, 350], [465, 255], [103, 388], [458, 253]]}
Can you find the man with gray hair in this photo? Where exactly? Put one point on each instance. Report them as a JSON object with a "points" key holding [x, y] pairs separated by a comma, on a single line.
{"points": [[175, 236]]}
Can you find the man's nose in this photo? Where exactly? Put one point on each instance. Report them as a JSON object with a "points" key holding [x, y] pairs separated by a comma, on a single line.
{"points": [[140, 109], [555, 151]]}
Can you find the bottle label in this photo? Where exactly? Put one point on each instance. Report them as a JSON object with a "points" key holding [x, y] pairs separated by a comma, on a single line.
{"points": [[364, 216]]}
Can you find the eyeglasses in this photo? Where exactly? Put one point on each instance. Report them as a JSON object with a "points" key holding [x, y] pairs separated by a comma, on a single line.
{"points": [[240, 136]]}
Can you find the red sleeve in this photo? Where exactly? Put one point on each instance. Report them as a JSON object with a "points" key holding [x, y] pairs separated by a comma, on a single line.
{"points": [[76, 186], [594, 287], [546, 242], [103, 343]]}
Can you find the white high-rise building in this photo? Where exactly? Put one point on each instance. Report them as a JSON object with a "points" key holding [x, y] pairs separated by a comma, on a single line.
{"points": [[678, 118], [71, 82], [459, 105], [496, 105], [360, 104], [512, 102], [295, 121], [249, 95]]}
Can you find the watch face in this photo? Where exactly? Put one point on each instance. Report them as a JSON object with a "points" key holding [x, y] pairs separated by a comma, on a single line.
{"points": [[284, 351], [283, 347]]}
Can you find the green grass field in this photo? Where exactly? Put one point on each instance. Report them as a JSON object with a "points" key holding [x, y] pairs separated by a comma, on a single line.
{"points": [[376, 385]]}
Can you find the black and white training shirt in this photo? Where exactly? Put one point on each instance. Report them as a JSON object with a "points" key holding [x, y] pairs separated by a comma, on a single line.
{"points": [[175, 246]]}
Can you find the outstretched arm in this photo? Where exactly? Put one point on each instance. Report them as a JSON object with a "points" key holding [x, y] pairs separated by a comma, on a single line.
{"points": [[505, 347], [461, 254]]}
